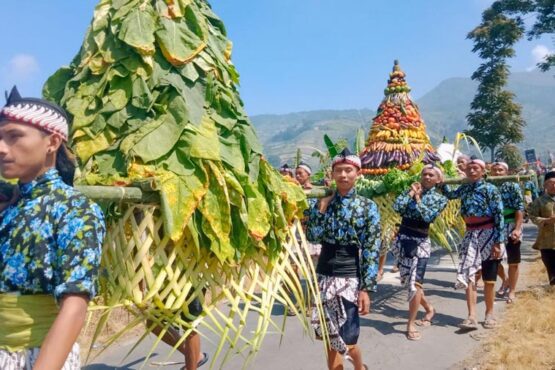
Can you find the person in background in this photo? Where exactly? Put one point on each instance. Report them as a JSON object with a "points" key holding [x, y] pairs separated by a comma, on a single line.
{"points": [[419, 207], [542, 214], [302, 174], [462, 162], [482, 247], [286, 171], [348, 227], [513, 213], [50, 240]]}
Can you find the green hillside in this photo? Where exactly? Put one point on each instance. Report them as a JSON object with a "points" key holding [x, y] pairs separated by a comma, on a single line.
{"points": [[444, 109]]}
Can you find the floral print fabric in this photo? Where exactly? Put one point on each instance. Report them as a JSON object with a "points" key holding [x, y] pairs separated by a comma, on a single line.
{"points": [[350, 220], [50, 240]]}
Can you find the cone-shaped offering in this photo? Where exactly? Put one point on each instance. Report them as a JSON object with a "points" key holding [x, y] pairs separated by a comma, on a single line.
{"points": [[398, 134]]}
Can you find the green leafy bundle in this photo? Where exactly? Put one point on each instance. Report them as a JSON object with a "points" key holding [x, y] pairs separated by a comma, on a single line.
{"points": [[152, 93]]}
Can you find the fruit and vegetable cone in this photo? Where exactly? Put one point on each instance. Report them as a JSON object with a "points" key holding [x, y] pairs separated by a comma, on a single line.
{"points": [[398, 136], [152, 94]]}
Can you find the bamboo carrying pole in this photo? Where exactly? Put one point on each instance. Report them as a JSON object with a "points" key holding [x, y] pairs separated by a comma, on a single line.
{"points": [[140, 192], [321, 192], [145, 191]]}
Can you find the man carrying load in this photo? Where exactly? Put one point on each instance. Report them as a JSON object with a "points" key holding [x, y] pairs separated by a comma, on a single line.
{"points": [[482, 247], [348, 227]]}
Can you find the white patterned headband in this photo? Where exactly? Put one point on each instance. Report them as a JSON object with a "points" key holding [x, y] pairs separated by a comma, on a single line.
{"points": [[346, 157], [35, 112], [479, 162], [502, 164], [306, 168], [434, 168]]}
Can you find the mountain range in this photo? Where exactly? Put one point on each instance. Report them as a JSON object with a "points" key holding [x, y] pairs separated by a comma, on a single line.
{"points": [[443, 109]]}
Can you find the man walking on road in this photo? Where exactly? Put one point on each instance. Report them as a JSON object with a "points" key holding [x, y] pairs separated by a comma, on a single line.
{"points": [[513, 214], [482, 247], [542, 213], [348, 227]]}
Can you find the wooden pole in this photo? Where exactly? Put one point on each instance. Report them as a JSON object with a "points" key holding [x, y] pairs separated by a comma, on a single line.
{"points": [[321, 192], [118, 194]]}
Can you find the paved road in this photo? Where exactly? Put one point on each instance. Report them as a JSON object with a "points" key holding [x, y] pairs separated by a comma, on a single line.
{"points": [[382, 338]]}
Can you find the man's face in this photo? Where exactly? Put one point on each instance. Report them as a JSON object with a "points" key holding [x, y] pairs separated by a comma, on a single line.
{"points": [[474, 171], [345, 176], [301, 175], [429, 178], [23, 150], [498, 170], [461, 164], [549, 187]]}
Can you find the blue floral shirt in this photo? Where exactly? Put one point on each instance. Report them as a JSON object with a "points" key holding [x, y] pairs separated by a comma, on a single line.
{"points": [[480, 199], [430, 206], [350, 220], [50, 240], [532, 188], [511, 195]]}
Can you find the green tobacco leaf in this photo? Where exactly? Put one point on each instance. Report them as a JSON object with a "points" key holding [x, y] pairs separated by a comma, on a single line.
{"points": [[217, 215], [259, 216], [55, 85], [137, 29], [202, 142], [141, 97], [154, 139], [180, 196], [178, 44]]}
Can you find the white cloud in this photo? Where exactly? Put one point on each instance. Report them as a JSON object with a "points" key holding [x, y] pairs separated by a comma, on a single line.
{"points": [[22, 66], [539, 52]]}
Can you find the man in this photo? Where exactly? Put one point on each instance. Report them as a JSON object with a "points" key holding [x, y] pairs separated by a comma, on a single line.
{"points": [[513, 213], [50, 240], [482, 247], [462, 162], [302, 174], [542, 214], [286, 171], [418, 206], [348, 227]]}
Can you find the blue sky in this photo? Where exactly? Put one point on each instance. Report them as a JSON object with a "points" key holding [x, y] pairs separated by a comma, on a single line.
{"points": [[293, 55]]}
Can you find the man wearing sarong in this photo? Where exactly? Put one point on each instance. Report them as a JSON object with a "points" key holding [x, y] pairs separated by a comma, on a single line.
{"points": [[513, 214], [482, 247], [348, 227], [419, 207]]}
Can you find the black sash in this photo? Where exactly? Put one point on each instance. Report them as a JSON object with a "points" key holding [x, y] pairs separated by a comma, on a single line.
{"points": [[419, 229], [339, 261]]}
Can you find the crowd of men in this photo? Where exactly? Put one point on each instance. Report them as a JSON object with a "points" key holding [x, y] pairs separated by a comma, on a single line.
{"points": [[51, 241], [347, 226]]}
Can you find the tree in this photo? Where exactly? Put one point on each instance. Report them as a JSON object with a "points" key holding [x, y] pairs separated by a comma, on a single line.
{"points": [[543, 13], [495, 119], [511, 155]]}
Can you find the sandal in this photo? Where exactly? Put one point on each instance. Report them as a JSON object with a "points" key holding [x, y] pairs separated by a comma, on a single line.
{"points": [[490, 323], [413, 335], [468, 324], [201, 362], [502, 292], [425, 322], [511, 300]]}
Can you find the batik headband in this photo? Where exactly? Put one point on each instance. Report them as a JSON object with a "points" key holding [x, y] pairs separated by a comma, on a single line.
{"points": [[434, 168], [35, 112], [502, 164], [305, 167], [479, 162], [346, 157]]}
